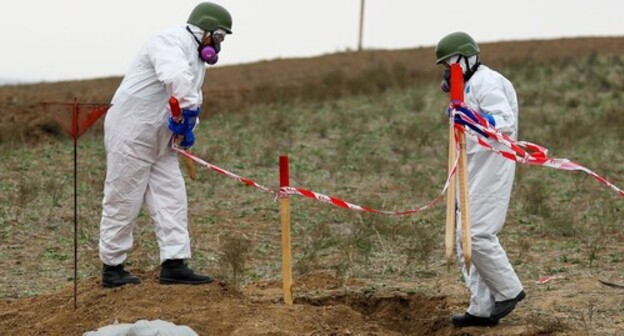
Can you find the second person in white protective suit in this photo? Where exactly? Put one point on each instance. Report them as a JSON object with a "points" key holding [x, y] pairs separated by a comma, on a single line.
{"points": [[494, 286], [138, 130]]}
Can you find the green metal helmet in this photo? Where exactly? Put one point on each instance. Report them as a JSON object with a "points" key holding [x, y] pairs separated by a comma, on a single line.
{"points": [[458, 43], [210, 16]]}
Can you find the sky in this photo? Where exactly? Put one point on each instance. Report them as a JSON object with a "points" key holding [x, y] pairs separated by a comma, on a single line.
{"points": [[56, 40]]}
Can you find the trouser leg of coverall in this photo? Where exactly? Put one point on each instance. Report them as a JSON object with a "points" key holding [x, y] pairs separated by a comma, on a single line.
{"points": [[125, 185], [491, 278], [167, 204]]}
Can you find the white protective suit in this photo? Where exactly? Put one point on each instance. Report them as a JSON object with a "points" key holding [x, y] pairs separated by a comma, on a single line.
{"points": [[490, 179], [140, 164]]}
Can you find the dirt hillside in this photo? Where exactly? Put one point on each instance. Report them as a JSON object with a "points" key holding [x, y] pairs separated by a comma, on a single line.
{"points": [[235, 88]]}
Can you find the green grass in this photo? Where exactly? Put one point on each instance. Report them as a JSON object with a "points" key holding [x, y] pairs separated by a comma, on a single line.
{"points": [[383, 148]]}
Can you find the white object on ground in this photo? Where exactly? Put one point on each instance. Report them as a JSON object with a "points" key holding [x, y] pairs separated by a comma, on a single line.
{"points": [[143, 328]]}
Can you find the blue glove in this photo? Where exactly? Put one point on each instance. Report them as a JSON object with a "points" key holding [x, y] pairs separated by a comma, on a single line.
{"points": [[189, 119], [178, 128], [489, 118], [188, 141]]}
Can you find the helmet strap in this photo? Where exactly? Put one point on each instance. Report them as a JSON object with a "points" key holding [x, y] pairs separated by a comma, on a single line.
{"points": [[470, 70], [188, 29]]}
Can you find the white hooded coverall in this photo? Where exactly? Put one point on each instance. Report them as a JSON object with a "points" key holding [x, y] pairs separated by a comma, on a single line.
{"points": [[141, 167], [490, 179]]}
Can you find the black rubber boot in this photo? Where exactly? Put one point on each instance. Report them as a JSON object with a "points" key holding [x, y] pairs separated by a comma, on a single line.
{"points": [[115, 276], [467, 320], [503, 308], [175, 271]]}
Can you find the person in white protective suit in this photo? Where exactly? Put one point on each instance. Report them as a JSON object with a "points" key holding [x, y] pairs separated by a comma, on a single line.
{"points": [[494, 286], [139, 129]]}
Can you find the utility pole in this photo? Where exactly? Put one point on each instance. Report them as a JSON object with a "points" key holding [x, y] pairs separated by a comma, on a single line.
{"points": [[361, 25]]}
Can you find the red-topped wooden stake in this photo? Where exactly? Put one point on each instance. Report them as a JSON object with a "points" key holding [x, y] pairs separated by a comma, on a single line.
{"points": [[285, 221], [457, 96]]}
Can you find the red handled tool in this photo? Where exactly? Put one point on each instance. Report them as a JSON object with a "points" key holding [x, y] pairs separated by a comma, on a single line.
{"points": [[174, 104]]}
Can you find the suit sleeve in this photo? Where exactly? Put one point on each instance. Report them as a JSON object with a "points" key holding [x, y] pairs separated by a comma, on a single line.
{"points": [[168, 56], [494, 102]]}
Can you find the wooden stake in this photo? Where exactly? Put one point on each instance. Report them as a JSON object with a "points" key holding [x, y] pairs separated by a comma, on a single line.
{"points": [[190, 168], [285, 221], [464, 203], [457, 96], [450, 201]]}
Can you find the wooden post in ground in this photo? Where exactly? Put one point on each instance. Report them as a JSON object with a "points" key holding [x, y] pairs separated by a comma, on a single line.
{"points": [[457, 95], [464, 203], [285, 221], [449, 240]]}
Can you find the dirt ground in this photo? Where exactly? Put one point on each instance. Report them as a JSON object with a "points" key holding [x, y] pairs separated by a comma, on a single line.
{"points": [[324, 305]]}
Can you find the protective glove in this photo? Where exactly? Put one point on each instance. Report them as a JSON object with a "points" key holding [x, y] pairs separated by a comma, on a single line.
{"points": [[186, 124], [178, 128], [190, 117], [188, 140]]}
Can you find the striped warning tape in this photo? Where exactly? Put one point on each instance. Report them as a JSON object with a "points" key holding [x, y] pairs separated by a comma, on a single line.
{"points": [[286, 191], [221, 171], [519, 151]]}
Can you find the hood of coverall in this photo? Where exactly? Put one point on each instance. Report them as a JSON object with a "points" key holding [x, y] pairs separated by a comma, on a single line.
{"points": [[472, 60]]}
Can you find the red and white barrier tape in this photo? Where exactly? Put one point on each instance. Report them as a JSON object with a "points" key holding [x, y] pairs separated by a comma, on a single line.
{"points": [[286, 191], [221, 171], [521, 151], [343, 204]]}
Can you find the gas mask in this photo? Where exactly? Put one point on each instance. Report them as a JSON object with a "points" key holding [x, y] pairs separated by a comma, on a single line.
{"points": [[210, 46]]}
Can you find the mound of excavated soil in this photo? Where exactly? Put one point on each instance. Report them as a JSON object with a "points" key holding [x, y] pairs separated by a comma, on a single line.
{"points": [[218, 309], [324, 305]]}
